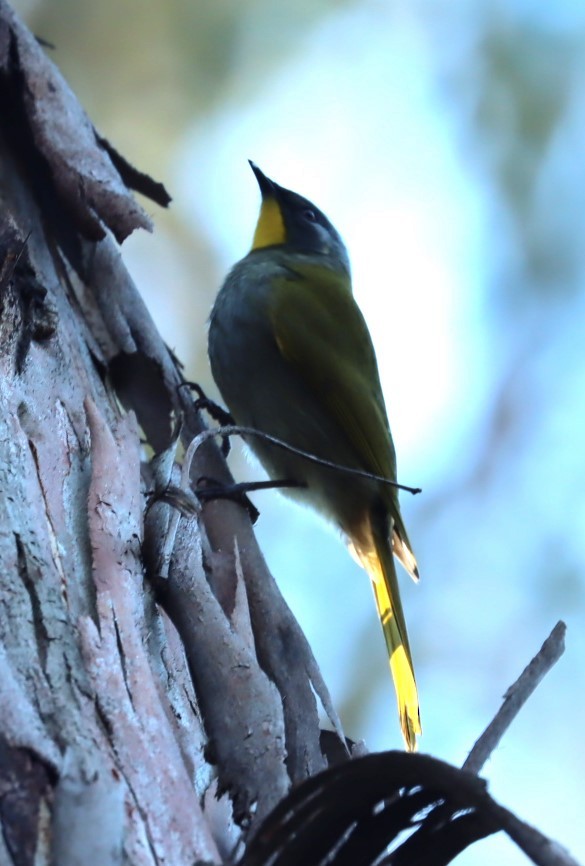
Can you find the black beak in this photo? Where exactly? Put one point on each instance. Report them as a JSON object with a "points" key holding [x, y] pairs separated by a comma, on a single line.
{"points": [[267, 187]]}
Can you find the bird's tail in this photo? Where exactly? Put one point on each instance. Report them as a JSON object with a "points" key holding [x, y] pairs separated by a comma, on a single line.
{"points": [[375, 555]]}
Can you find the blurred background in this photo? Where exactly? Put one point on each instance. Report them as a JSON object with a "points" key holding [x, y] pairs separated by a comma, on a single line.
{"points": [[444, 139]]}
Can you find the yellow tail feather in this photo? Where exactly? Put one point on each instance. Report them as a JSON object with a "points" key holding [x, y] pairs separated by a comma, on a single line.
{"points": [[377, 561]]}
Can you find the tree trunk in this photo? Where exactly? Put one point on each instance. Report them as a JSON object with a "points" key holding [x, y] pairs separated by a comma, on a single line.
{"points": [[156, 692]]}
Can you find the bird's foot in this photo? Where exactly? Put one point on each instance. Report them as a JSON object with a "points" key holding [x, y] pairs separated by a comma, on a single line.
{"points": [[213, 489]]}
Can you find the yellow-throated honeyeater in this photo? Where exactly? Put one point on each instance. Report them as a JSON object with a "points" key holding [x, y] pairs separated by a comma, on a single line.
{"points": [[292, 356]]}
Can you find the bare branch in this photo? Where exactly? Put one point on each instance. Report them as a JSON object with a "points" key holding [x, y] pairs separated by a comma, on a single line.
{"points": [[541, 850], [516, 696]]}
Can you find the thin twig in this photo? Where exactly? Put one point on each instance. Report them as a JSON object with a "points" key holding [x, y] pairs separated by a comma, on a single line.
{"points": [[235, 430], [516, 696]]}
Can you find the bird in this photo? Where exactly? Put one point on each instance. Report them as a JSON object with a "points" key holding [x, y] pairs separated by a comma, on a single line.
{"points": [[292, 357]]}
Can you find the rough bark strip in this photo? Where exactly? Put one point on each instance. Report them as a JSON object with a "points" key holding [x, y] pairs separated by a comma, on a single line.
{"points": [[146, 749], [281, 647], [240, 706], [92, 668], [88, 823]]}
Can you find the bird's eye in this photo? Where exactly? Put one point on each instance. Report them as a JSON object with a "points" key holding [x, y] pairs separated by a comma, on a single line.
{"points": [[310, 215]]}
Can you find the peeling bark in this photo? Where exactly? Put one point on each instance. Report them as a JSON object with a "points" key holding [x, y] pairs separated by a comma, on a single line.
{"points": [[143, 718]]}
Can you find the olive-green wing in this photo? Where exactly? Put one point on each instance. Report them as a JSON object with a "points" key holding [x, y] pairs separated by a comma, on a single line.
{"points": [[320, 330]]}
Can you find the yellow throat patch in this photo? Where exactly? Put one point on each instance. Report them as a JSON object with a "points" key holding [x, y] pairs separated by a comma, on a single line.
{"points": [[270, 229]]}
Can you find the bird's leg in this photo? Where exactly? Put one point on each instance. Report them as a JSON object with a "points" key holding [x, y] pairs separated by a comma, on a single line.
{"points": [[212, 489]]}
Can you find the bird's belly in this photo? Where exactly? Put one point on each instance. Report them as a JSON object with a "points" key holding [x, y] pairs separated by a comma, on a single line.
{"points": [[263, 392], [299, 421]]}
